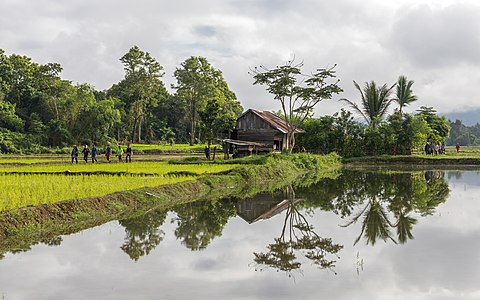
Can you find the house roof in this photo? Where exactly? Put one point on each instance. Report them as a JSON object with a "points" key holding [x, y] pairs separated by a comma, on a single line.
{"points": [[244, 143], [272, 119]]}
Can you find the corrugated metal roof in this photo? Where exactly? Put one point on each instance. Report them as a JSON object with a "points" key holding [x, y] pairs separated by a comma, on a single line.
{"points": [[274, 120]]}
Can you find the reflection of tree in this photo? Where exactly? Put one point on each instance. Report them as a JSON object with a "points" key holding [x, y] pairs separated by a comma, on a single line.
{"points": [[384, 201], [143, 233], [198, 223], [297, 236], [55, 241]]}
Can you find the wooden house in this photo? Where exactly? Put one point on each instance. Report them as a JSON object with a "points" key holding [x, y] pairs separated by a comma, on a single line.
{"points": [[259, 131]]}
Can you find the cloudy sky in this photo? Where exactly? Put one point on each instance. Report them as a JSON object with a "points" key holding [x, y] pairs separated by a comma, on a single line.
{"points": [[435, 43]]}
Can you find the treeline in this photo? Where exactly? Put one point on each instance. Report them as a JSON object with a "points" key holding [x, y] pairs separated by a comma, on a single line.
{"points": [[39, 109], [464, 135], [380, 133]]}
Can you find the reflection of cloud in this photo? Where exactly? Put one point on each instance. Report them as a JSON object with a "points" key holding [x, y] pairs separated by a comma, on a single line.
{"points": [[444, 260], [441, 263]]}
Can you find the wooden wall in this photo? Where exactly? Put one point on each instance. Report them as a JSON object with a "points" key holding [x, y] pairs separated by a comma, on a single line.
{"points": [[254, 129]]}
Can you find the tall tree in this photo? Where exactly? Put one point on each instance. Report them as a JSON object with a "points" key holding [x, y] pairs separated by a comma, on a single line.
{"points": [[440, 127], [140, 90], [298, 93], [199, 84], [374, 102], [220, 112], [404, 95]]}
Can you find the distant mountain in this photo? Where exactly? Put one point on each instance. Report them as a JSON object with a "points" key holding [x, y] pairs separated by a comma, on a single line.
{"points": [[468, 118]]}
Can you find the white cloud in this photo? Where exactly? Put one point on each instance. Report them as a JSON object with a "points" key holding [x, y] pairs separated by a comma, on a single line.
{"points": [[433, 42]]}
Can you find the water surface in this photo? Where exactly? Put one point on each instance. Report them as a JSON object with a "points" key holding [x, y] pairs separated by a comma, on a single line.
{"points": [[364, 235]]}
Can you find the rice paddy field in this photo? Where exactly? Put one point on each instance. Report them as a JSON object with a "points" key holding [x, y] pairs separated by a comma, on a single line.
{"points": [[27, 181]]}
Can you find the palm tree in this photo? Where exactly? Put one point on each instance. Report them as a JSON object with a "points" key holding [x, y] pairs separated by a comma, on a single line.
{"points": [[375, 102], [404, 94]]}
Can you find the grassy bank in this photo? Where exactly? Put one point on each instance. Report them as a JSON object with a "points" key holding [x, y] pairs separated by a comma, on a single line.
{"points": [[23, 227]]}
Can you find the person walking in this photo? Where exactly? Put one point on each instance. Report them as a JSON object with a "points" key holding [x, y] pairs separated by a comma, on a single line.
{"points": [[85, 152], [94, 154], [120, 153], [207, 152], [75, 154], [128, 154], [108, 152], [457, 147]]}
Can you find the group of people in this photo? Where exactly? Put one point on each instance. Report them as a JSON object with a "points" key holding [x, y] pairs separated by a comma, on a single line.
{"points": [[434, 149], [94, 152]]}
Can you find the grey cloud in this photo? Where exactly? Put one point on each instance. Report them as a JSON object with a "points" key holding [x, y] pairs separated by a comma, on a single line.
{"points": [[205, 30], [431, 37]]}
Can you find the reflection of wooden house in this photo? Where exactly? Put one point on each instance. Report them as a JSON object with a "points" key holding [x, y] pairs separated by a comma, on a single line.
{"points": [[262, 206], [259, 131]]}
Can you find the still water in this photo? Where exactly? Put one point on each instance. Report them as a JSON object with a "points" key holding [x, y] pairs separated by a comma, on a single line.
{"points": [[364, 235]]}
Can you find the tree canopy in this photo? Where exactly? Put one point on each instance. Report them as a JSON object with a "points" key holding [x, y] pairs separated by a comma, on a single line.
{"points": [[297, 93]]}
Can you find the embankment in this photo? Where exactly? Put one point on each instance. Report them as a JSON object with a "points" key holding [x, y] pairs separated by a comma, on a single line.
{"points": [[22, 228]]}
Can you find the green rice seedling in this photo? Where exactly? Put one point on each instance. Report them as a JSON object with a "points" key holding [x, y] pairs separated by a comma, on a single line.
{"points": [[20, 190], [142, 167]]}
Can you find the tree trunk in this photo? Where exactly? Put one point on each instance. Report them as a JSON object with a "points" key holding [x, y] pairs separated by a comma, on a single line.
{"points": [[192, 124], [140, 130]]}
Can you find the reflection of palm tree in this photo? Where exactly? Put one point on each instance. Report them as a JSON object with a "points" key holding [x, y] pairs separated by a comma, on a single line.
{"points": [[404, 227], [297, 236], [394, 197], [375, 224]]}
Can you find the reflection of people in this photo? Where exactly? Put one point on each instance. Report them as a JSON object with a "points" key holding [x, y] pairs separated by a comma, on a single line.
{"points": [[75, 154], [428, 176]]}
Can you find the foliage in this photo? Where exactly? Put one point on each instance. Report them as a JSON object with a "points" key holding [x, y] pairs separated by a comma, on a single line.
{"points": [[298, 93], [297, 237], [143, 233], [198, 223], [337, 133], [380, 201], [374, 102], [140, 92], [209, 102], [404, 94], [440, 127], [463, 135]]}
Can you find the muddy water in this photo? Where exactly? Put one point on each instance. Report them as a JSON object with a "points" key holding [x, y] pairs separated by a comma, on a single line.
{"points": [[364, 235]]}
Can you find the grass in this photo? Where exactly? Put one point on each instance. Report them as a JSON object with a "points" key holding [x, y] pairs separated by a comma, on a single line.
{"points": [[139, 167], [20, 190], [31, 184]]}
